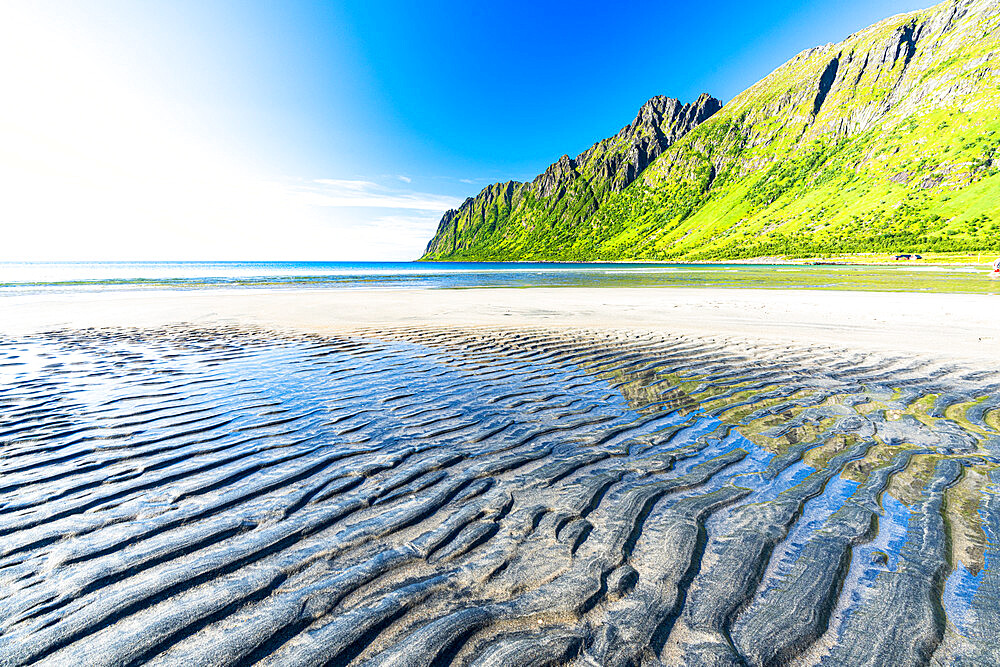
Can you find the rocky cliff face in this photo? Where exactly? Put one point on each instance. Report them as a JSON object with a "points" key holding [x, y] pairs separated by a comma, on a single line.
{"points": [[661, 121], [887, 141], [571, 190]]}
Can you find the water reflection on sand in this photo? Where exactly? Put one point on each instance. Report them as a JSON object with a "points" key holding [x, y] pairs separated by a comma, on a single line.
{"points": [[491, 497]]}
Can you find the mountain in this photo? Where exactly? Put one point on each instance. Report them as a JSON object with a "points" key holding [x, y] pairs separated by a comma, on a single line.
{"points": [[885, 142], [571, 190]]}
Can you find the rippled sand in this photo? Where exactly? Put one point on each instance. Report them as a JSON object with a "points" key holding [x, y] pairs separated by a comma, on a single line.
{"points": [[491, 496]]}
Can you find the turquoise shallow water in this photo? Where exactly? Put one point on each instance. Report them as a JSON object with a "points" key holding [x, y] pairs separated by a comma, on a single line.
{"points": [[19, 277]]}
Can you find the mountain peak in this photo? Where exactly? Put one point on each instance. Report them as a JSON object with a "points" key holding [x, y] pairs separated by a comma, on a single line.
{"points": [[888, 141], [572, 189], [660, 122]]}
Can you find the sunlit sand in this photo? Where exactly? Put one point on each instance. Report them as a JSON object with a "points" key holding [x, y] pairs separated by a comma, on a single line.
{"points": [[497, 476]]}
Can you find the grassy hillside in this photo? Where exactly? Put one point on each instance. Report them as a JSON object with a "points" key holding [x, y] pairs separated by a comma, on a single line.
{"points": [[571, 190], [886, 142]]}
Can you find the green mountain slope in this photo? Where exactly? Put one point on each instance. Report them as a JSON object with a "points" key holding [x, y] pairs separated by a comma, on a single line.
{"points": [[552, 208], [885, 142]]}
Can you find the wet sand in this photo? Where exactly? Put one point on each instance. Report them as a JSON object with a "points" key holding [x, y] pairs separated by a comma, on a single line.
{"points": [[586, 477], [950, 326]]}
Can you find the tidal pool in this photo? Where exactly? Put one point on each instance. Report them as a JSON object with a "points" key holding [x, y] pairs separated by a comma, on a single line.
{"points": [[491, 497]]}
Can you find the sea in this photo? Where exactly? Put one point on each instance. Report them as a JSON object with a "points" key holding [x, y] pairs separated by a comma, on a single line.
{"points": [[31, 277]]}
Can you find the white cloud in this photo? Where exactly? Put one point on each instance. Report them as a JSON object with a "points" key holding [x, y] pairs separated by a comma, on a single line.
{"points": [[335, 193], [405, 179], [399, 237], [342, 184], [466, 180]]}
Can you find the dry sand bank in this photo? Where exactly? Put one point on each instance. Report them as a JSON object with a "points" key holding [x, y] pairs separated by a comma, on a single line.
{"points": [[955, 326]]}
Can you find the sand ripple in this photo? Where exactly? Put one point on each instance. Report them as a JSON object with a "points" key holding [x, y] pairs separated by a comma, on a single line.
{"points": [[491, 497]]}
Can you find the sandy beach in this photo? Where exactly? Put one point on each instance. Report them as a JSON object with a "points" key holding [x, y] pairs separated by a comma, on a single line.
{"points": [[946, 326], [499, 477], [318, 349]]}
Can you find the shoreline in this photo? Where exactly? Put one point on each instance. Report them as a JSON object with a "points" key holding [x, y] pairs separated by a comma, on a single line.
{"points": [[943, 326], [835, 260]]}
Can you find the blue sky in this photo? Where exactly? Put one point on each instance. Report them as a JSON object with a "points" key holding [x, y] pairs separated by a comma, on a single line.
{"points": [[337, 130]]}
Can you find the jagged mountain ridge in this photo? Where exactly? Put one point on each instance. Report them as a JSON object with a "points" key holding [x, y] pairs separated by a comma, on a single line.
{"points": [[571, 190], [886, 141]]}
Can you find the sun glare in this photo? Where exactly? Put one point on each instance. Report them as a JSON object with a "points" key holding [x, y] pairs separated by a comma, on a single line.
{"points": [[93, 165]]}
